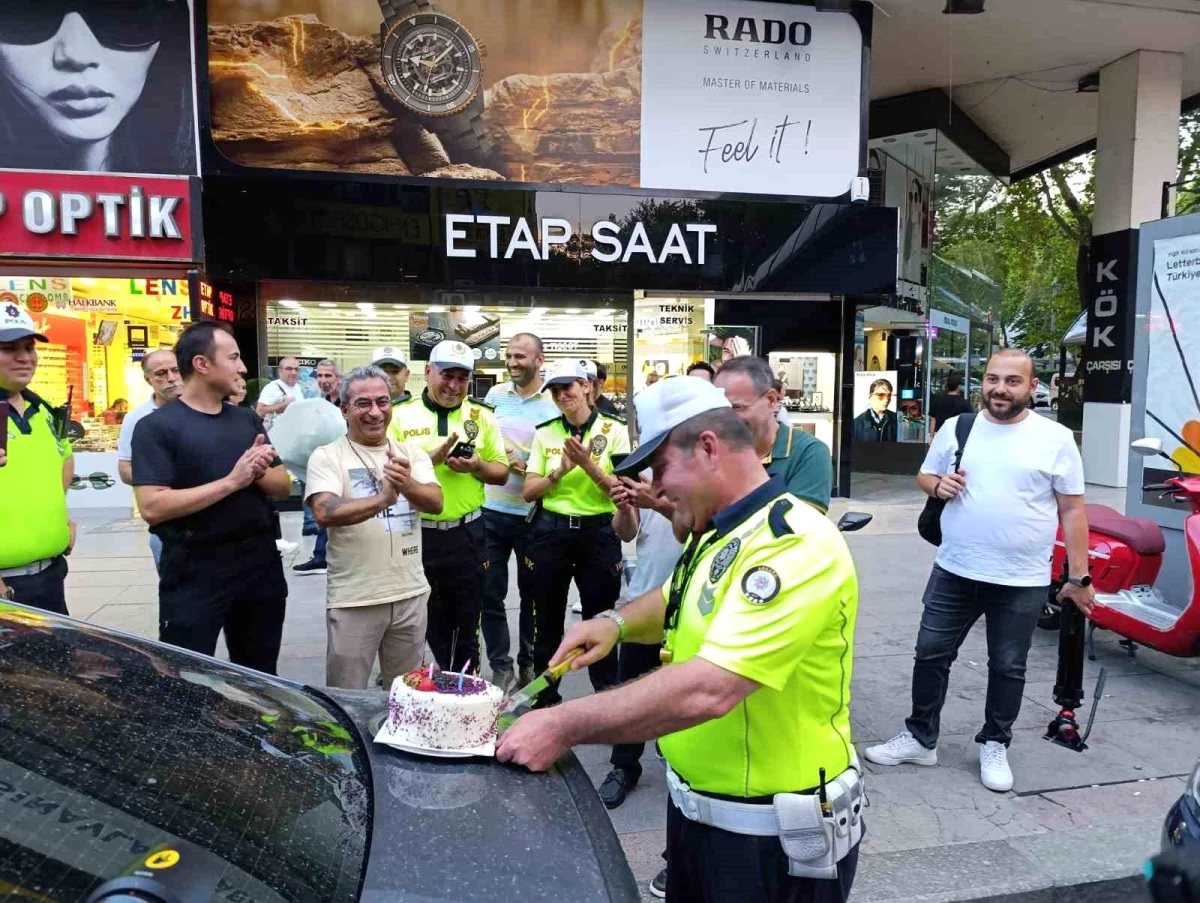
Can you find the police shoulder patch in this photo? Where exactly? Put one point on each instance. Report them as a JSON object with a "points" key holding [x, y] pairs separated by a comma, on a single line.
{"points": [[724, 558], [620, 420], [550, 422], [481, 402], [760, 585]]}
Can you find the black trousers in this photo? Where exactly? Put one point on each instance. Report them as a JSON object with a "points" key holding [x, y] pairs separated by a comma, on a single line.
{"points": [[237, 587], [708, 865], [45, 590], [455, 563], [635, 659], [506, 534], [591, 555]]}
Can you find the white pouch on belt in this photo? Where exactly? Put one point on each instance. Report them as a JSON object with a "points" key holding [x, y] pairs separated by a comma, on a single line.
{"points": [[815, 843]]}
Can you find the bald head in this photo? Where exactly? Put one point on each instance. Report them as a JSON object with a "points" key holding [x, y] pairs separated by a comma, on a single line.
{"points": [[1013, 356]]}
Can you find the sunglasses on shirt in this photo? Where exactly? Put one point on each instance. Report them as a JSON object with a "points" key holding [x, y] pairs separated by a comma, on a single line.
{"points": [[116, 24], [95, 480]]}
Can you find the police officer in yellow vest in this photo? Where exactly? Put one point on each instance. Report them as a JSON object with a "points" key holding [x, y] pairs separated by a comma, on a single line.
{"points": [[36, 468], [462, 438], [568, 477], [751, 710]]}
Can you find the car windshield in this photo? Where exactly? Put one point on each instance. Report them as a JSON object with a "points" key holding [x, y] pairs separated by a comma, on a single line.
{"points": [[117, 754]]}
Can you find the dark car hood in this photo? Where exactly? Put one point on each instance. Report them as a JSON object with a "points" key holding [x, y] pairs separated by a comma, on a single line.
{"points": [[468, 830], [114, 746]]}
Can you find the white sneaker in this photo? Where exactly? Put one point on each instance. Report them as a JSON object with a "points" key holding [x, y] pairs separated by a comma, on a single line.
{"points": [[577, 608], [902, 749], [993, 767], [285, 547]]}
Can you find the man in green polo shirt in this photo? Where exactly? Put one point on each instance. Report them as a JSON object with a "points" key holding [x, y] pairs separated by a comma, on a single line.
{"points": [[751, 710], [35, 470], [462, 438], [802, 460]]}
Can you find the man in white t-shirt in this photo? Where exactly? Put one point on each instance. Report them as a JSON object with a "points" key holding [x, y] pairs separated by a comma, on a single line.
{"points": [[369, 491], [279, 393], [1019, 478], [161, 372]]}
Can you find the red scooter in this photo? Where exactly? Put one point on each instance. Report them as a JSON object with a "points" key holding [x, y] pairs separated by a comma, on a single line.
{"points": [[1124, 556]]}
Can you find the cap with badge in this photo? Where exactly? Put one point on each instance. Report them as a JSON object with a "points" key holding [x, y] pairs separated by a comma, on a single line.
{"points": [[564, 371], [590, 367], [662, 407], [389, 354], [450, 354], [16, 324]]}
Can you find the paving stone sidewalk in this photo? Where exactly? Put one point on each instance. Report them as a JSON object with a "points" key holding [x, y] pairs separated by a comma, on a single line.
{"points": [[933, 834]]}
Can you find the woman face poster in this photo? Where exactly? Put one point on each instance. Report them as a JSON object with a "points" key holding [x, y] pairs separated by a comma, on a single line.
{"points": [[97, 86]]}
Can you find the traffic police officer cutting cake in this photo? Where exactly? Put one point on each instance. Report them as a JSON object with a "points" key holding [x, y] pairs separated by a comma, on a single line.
{"points": [[751, 709], [463, 440]]}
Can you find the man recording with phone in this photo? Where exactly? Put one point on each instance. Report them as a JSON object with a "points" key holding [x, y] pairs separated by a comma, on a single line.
{"points": [[463, 440], [36, 468]]}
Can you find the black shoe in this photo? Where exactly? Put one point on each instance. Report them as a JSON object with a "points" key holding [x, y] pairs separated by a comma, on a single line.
{"points": [[312, 566], [310, 531], [617, 786], [658, 886], [526, 675]]}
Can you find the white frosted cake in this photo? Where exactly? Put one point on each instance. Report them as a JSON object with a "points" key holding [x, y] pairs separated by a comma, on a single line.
{"points": [[447, 711]]}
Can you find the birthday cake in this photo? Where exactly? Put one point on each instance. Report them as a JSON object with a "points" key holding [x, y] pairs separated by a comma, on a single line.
{"points": [[442, 710]]}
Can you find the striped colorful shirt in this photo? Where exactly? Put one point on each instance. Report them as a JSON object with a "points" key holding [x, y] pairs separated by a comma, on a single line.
{"points": [[518, 418]]}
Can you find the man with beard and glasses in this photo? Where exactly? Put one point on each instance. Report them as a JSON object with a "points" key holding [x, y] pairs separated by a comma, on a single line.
{"points": [[204, 477], [369, 491], [1020, 476], [461, 437], [520, 405], [161, 373]]}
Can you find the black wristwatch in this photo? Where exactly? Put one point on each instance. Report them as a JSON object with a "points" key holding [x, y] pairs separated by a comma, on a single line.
{"points": [[433, 66], [1085, 580]]}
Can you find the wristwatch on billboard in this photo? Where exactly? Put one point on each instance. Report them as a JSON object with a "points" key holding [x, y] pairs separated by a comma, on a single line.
{"points": [[433, 66]]}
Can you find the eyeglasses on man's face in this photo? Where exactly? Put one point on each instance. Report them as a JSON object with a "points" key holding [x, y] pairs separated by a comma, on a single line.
{"points": [[883, 395], [363, 405], [739, 406]]}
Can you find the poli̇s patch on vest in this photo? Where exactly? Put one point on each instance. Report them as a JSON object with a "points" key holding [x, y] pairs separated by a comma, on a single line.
{"points": [[599, 443], [760, 585], [724, 559], [471, 428]]}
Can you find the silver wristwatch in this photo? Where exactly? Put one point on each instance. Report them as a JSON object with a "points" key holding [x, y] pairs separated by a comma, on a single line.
{"points": [[613, 615]]}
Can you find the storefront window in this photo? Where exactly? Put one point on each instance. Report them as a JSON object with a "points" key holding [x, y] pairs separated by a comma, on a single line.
{"points": [[314, 321], [99, 330]]}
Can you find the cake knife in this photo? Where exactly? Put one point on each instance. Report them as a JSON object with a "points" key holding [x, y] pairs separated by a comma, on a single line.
{"points": [[530, 691]]}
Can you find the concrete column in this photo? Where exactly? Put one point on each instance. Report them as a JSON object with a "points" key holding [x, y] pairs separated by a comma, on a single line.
{"points": [[1137, 145]]}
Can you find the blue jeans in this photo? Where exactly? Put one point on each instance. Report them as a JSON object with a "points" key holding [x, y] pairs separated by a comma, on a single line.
{"points": [[310, 521], [952, 606], [156, 550], [319, 547]]}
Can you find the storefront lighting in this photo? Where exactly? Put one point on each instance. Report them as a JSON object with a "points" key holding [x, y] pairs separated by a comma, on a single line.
{"points": [[326, 304], [537, 311], [602, 313], [294, 305], [574, 310], [471, 309], [365, 305], [400, 306], [436, 309], [505, 310]]}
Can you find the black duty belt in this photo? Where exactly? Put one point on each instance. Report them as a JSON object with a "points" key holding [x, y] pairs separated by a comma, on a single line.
{"points": [[574, 521]]}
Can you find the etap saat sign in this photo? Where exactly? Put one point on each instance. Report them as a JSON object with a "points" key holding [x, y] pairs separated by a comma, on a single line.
{"points": [[60, 215]]}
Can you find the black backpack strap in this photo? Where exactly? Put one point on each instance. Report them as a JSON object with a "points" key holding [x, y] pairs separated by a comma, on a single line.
{"points": [[962, 431]]}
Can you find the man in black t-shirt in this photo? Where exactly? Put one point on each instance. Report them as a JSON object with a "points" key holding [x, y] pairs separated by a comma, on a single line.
{"points": [[204, 477], [949, 404]]}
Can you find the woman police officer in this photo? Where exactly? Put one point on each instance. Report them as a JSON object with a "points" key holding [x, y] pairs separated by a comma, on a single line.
{"points": [[568, 477]]}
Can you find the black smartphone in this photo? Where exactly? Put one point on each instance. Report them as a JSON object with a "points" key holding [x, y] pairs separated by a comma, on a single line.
{"points": [[619, 458], [463, 450]]}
